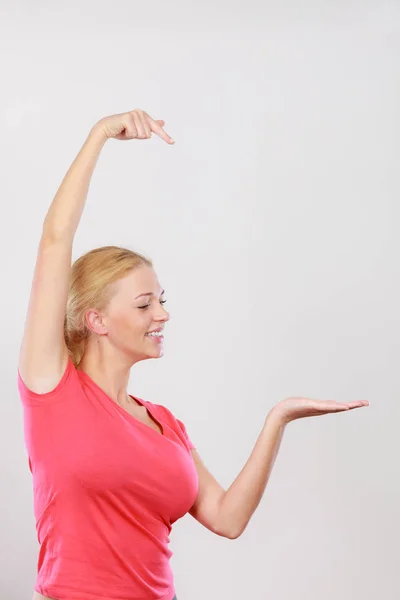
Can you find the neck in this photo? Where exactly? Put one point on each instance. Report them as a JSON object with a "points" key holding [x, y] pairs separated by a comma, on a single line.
{"points": [[108, 370]]}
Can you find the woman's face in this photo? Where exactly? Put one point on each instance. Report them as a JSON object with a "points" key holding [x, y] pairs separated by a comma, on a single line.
{"points": [[135, 317]]}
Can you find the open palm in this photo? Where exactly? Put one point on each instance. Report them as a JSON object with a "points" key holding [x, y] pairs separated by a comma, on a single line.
{"points": [[297, 408]]}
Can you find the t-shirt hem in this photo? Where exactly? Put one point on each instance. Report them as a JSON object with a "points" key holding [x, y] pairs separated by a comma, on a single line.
{"points": [[54, 592]]}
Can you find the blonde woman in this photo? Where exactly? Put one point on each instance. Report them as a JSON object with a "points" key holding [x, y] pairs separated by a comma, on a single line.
{"points": [[112, 472]]}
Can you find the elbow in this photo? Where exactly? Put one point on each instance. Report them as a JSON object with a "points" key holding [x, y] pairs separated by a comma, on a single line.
{"points": [[234, 535], [230, 534], [229, 526]]}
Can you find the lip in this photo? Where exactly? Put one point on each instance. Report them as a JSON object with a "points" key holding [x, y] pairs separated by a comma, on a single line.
{"points": [[156, 339], [156, 330]]}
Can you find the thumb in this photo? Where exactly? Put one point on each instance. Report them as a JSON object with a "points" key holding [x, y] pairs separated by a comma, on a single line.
{"points": [[160, 122]]}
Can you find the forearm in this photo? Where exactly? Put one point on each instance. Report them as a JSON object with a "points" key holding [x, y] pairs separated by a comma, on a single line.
{"points": [[65, 211], [244, 495]]}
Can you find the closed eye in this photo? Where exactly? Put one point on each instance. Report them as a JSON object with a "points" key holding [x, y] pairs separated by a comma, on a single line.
{"points": [[147, 305]]}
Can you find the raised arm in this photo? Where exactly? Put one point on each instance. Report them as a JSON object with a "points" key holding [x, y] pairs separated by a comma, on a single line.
{"points": [[43, 352]]}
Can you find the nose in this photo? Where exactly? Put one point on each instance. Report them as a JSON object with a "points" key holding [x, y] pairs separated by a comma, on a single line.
{"points": [[162, 315]]}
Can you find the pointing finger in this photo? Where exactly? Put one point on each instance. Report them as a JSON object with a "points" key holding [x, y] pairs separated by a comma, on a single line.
{"points": [[158, 129]]}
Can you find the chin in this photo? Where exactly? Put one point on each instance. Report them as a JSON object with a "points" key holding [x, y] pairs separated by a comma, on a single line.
{"points": [[155, 354], [159, 354], [149, 349]]}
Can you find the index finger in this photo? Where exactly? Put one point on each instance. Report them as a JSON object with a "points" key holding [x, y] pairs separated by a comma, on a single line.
{"points": [[156, 128]]}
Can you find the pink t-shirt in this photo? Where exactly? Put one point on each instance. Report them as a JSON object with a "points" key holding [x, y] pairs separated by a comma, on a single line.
{"points": [[107, 489]]}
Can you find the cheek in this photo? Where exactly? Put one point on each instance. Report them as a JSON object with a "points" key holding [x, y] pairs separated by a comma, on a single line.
{"points": [[126, 325], [136, 324]]}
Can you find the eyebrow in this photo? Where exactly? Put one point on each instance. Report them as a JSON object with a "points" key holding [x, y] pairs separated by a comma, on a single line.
{"points": [[149, 294]]}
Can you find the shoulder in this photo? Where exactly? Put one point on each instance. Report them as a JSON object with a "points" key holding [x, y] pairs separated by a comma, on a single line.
{"points": [[163, 413], [167, 416], [161, 410]]}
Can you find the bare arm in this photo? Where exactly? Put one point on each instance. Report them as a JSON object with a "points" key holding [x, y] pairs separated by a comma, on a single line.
{"points": [[43, 353], [65, 212], [227, 513], [245, 493]]}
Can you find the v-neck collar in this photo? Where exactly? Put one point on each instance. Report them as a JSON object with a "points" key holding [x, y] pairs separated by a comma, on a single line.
{"points": [[125, 412]]}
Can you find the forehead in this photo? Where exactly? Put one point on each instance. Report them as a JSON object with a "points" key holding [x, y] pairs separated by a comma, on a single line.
{"points": [[142, 280]]}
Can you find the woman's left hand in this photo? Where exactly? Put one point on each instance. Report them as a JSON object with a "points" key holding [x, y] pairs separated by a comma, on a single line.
{"points": [[294, 408]]}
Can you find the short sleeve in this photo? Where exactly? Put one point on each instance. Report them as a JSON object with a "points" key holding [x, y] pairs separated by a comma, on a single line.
{"points": [[175, 424], [185, 433], [30, 398]]}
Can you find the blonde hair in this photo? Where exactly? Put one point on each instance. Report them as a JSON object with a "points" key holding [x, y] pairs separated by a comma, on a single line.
{"points": [[91, 286]]}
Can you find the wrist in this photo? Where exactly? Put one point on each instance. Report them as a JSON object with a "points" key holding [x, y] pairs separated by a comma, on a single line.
{"points": [[278, 415], [98, 134]]}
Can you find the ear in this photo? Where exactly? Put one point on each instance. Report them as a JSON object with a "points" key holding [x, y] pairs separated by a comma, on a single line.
{"points": [[95, 323]]}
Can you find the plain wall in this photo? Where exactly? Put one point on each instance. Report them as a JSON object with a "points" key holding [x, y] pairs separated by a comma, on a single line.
{"points": [[273, 225]]}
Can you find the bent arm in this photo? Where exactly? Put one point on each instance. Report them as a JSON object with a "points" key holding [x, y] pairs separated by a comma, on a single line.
{"points": [[227, 512], [244, 495]]}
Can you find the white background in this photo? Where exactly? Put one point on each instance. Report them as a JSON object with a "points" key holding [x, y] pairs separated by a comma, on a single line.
{"points": [[273, 224]]}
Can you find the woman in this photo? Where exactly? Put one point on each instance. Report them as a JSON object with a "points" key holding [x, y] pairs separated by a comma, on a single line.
{"points": [[111, 471]]}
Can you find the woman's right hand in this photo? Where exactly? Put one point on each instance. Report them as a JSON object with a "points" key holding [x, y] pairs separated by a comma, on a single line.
{"points": [[133, 124]]}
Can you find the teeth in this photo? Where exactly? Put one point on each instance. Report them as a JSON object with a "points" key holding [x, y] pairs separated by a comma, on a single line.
{"points": [[155, 334]]}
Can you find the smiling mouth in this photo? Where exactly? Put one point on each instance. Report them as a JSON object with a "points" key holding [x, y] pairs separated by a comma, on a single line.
{"points": [[157, 335]]}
